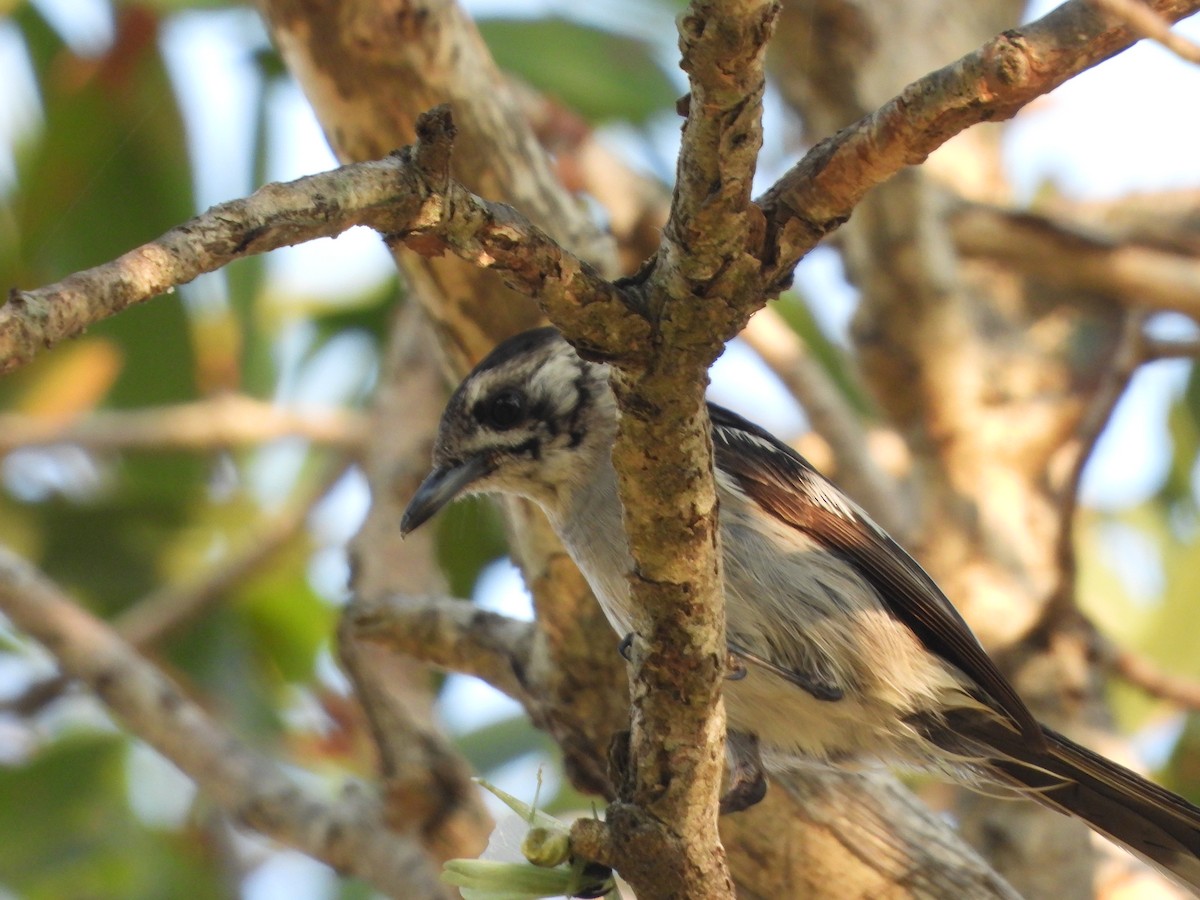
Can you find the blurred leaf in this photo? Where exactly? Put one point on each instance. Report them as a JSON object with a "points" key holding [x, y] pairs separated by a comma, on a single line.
{"points": [[270, 65], [353, 889], [1183, 426], [107, 551], [113, 145], [108, 172], [72, 381], [1182, 774], [499, 743], [796, 312], [220, 655], [1102, 594], [469, 536], [1160, 627], [289, 622], [599, 74], [1170, 636], [266, 633], [370, 312], [68, 831], [246, 278]]}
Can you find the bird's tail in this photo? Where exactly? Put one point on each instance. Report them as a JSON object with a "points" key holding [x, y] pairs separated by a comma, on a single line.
{"points": [[1148, 820]]}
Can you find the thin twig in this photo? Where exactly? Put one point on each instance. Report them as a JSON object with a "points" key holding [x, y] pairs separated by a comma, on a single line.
{"points": [[1126, 358], [451, 634], [347, 832], [988, 85], [228, 420], [1149, 24], [1147, 676], [1155, 349]]}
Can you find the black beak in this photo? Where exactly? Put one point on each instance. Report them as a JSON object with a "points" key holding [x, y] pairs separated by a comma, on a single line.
{"points": [[440, 486]]}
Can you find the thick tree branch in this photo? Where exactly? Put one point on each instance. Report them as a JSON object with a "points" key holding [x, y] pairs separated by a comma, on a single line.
{"points": [[989, 85], [347, 832], [696, 297]]}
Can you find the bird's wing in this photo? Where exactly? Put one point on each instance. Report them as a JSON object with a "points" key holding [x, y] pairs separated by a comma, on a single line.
{"points": [[785, 485]]}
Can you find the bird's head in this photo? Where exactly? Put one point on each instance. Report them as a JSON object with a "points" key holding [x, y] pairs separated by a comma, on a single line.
{"points": [[532, 419]]}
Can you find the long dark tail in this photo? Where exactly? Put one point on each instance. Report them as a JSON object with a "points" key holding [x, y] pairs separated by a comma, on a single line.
{"points": [[1151, 822]]}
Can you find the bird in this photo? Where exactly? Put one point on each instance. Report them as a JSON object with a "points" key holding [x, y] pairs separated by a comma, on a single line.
{"points": [[829, 622]]}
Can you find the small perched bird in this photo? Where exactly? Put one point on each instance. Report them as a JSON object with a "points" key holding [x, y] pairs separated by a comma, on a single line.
{"points": [[834, 627]]}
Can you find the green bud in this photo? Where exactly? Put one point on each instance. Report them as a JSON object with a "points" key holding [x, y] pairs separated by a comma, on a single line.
{"points": [[547, 847]]}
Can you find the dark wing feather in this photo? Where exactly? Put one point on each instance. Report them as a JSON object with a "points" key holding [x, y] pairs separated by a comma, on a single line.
{"points": [[784, 484]]}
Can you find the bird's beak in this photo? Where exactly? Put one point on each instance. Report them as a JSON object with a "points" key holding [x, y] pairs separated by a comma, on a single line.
{"points": [[441, 486]]}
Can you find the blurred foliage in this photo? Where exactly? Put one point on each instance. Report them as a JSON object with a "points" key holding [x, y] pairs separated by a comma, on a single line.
{"points": [[105, 167], [1139, 580], [69, 831], [470, 535], [599, 74], [797, 312]]}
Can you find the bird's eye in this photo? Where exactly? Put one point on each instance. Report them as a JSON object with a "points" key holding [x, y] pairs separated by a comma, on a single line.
{"points": [[505, 410]]}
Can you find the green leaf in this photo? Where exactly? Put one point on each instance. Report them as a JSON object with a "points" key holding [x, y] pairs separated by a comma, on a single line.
{"points": [[108, 172], [287, 619], [1183, 769], [796, 312], [106, 552], [68, 831], [599, 74], [499, 743], [110, 169], [1183, 426], [469, 536]]}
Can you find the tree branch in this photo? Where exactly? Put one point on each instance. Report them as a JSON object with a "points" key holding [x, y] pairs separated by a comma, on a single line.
{"points": [[1071, 256], [426, 782], [409, 196], [1146, 676], [989, 85], [224, 421], [1155, 349], [348, 832], [1148, 24], [853, 835], [452, 634], [697, 295], [1077, 449]]}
